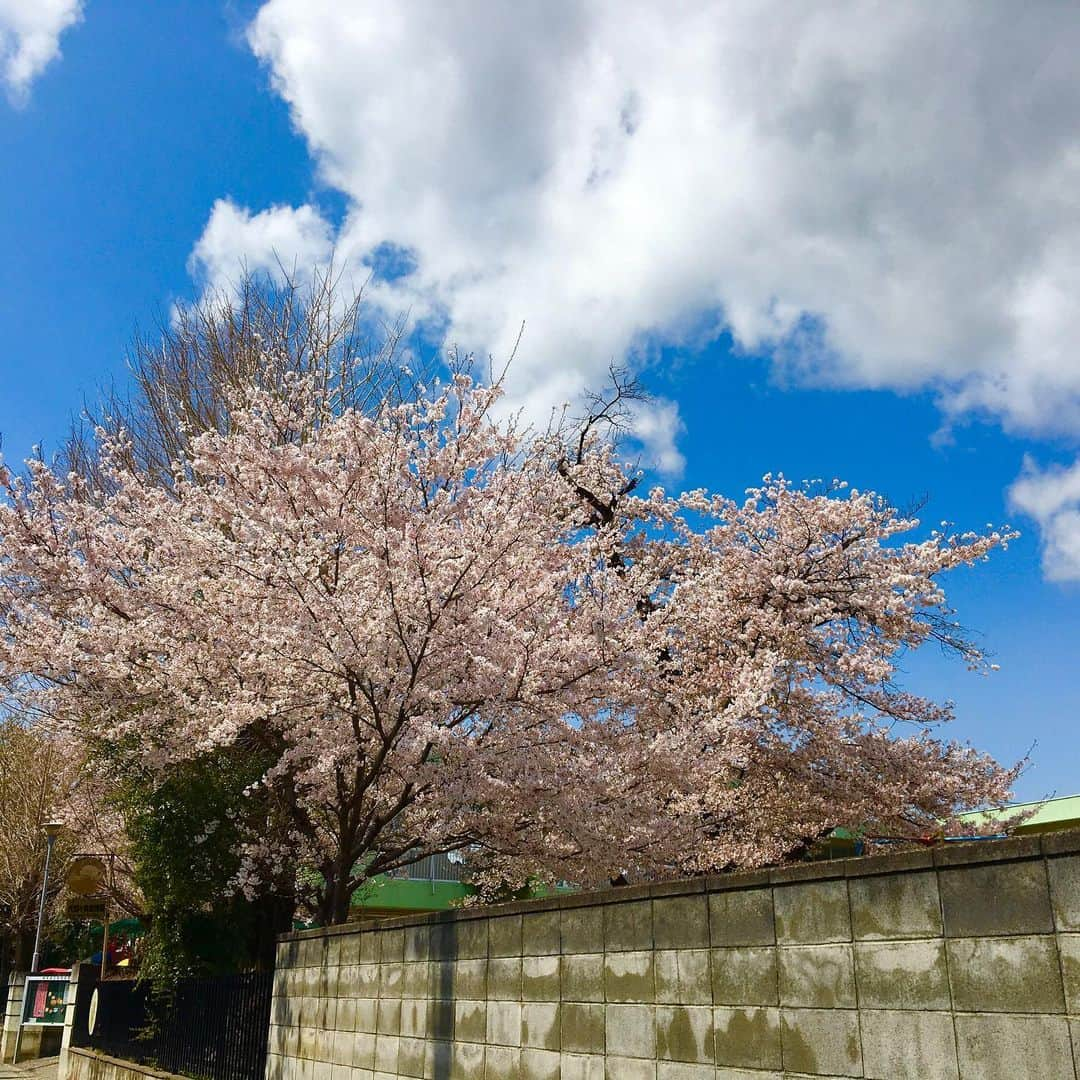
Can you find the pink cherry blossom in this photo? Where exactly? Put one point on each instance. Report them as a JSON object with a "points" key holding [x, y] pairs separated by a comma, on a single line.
{"points": [[448, 633]]}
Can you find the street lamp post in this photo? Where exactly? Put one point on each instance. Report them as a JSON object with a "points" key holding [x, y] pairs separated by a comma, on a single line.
{"points": [[52, 831]]}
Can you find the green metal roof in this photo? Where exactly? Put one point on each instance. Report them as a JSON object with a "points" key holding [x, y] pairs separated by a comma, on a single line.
{"points": [[1050, 814]]}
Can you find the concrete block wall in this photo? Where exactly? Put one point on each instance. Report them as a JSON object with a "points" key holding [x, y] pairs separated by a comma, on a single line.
{"points": [[962, 962], [12, 1014], [82, 1064]]}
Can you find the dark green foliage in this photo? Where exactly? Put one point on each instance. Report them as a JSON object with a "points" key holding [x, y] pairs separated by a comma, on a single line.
{"points": [[185, 834]]}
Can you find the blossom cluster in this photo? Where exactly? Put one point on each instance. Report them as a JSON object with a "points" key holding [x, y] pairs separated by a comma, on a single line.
{"points": [[446, 633]]}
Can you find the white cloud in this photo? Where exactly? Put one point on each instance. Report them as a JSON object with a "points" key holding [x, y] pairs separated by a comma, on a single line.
{"points": [[30, 39], [656, 425], [610, 168], [878, 194], [235, 240], [1052, 498]]}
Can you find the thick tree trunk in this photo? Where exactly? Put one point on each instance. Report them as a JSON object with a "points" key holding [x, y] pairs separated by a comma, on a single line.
{"points": [[336, 897], [24, 950], [340, 899], [274, 916], [6, 950]]}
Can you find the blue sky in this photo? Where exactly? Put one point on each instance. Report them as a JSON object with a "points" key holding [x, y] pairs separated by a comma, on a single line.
{"points": [[167, 141]]}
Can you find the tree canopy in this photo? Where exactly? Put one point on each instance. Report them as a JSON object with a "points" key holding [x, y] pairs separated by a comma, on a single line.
{"points": [[32, 770], [442, 631]]}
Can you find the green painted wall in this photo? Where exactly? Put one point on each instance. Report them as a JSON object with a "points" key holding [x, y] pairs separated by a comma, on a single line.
{"points": [[400, 894]]}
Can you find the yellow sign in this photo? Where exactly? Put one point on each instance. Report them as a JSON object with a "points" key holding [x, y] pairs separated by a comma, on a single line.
{"points": [[86, 910], [86, 875]]}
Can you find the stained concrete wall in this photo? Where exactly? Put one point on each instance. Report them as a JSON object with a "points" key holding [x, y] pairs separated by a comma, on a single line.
{"points": [[12, 1014], [960, 962], [82, 1064]]}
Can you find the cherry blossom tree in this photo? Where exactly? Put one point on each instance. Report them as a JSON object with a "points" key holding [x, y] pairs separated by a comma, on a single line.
{"points": [[31, 794], [445, 632], [184, 377]]}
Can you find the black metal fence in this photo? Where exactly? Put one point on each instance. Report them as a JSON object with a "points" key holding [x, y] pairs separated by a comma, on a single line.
{"points": [[213, 1028]]}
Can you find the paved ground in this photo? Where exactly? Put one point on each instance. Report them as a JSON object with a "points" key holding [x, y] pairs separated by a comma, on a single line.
{"points": [[40, 1069]]}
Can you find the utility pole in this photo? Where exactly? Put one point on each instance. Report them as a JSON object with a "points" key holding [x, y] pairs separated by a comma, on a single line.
{"points": [[52, 831]]}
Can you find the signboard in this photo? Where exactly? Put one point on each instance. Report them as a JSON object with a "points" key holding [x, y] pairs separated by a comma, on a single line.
{"points": [[86, 875], [87, 909], [44, 1000]]}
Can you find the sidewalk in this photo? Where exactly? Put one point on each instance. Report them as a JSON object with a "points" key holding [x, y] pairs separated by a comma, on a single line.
{"points": [[38, 1069]]}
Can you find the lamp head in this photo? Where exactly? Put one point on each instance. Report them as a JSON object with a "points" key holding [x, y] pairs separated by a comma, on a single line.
{"points": [[53, 829]]}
